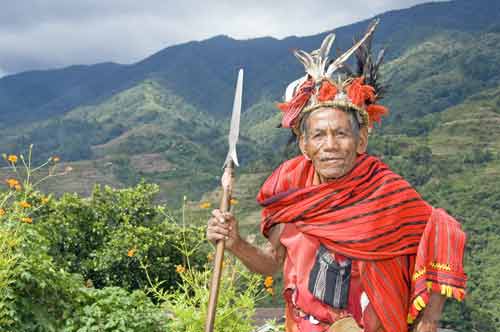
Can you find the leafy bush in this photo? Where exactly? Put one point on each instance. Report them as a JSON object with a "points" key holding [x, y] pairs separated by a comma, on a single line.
{"points": [[239, 292], [38, 293], [113, 309], [106, 236], [58, 257]]}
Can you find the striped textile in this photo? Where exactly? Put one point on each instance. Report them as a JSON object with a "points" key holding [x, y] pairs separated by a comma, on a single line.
{"points": [[375, 217], [329, 280]]}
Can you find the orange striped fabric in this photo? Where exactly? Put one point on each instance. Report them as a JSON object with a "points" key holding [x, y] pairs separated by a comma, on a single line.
{"points": [[374, 216]]}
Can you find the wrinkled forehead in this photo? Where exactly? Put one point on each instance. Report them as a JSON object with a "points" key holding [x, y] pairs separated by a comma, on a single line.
{"points": [[326, 118]]}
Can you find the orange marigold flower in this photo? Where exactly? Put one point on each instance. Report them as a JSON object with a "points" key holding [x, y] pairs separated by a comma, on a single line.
{"points": [[268, 282], [27, 220], [12, 158], [180, 269], [131, 252], [205, 205], [12, 183], [2, 212], [24, 204], [233, 201], [270, 291], [18, 187]]}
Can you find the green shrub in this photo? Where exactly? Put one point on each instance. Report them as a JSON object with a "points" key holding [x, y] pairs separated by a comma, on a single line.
{"points": [[105, 236], [38, 292], [239, 292], [113, 309], [59, 257]]}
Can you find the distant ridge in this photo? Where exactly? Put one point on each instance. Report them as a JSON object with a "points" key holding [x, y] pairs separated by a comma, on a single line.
{"points": [[204, 72]]}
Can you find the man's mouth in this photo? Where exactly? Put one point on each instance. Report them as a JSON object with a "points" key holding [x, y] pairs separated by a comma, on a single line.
{"points": [[331, 159]]}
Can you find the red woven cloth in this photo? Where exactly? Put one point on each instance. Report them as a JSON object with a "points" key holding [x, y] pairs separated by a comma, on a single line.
{"points": [[375, 217]]}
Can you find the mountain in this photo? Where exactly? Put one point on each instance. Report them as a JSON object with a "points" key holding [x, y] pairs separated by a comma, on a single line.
{"points": [[165, 120], [145, 131]]}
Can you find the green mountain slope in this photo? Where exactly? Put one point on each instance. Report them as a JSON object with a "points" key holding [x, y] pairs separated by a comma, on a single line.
{"points": [[145, 132], [441, 72], [203, 73], [468, 136]]}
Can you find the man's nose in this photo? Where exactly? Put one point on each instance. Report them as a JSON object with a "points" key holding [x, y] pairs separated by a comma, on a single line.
{"points": [[331, 142]]}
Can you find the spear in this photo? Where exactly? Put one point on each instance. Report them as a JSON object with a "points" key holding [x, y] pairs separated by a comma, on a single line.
{"points": [[225, 204]]}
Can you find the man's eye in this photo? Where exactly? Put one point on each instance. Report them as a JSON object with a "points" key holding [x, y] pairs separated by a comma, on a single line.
{"points": [[317, 135]]}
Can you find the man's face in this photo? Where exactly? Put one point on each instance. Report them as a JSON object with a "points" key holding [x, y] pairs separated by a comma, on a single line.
{"points": [[330, 143]]}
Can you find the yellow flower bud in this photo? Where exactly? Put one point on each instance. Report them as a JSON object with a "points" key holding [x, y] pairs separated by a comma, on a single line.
{"points": [[12, 158]]}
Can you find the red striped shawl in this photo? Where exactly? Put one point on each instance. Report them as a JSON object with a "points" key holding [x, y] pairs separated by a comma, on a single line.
{"points": [[375, 217]]}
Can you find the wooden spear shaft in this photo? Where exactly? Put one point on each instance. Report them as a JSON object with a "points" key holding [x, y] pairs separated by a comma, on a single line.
{"points": [[225, 205]]}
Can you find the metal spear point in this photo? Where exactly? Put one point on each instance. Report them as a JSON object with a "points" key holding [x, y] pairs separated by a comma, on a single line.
{"points": [[225, 204]]}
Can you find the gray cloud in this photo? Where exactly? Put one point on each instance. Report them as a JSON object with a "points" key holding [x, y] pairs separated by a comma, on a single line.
{"points": [[37, 34]]}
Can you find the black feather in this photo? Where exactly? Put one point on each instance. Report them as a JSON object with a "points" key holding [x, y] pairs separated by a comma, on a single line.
{"points": [[368, 67]]}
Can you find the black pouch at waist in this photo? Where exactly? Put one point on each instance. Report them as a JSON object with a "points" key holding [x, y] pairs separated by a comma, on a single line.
{"points": [[329, 280]]}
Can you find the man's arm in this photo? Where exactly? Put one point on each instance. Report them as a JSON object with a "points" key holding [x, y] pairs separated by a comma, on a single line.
{"points": [[265, 261]]}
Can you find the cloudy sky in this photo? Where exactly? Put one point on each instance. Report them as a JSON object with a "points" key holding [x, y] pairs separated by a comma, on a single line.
{"points": [[40, 34]]}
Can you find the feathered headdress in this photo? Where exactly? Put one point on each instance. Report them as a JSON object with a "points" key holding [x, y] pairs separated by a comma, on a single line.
{"points": [[354, 90]]}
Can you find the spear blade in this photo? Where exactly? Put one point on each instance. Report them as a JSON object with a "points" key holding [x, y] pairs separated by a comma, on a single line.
{"points": [[234, 130]]}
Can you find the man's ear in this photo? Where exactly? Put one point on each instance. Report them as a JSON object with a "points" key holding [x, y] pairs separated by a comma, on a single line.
{"points": [[363, 140], [302, 146]]}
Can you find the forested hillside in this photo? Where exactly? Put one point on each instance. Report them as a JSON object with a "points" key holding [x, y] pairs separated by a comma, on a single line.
{"points": [[164, 120]]}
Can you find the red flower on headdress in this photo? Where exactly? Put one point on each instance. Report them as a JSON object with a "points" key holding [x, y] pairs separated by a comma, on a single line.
{"points": [[293, 108], [363, 95], [359, 93], [327, 91], [375, 112]]}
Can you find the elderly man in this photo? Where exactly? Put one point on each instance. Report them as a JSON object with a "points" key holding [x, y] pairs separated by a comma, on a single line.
{"points": [[359, 248]]}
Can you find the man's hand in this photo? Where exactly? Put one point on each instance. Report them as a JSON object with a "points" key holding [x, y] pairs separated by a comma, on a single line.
{"points": [[427, 326], [432, 314], [223, 226], [266, 261]]}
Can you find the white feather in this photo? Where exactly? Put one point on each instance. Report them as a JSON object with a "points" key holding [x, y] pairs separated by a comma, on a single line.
{"points": [[324, 50]]}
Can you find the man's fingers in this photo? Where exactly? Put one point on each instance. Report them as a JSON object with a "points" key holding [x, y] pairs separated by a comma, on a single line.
{"points": [[217, 233], [217, 213], [222, 218], [215, 237], [219, 230], [228, 216], [221, 226], [212, 222]]}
